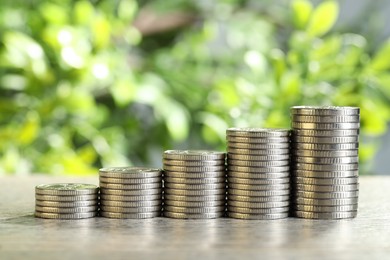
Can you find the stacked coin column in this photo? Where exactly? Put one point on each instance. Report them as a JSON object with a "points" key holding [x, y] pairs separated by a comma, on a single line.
{"points": [[66, 201], [258, 173], [325, 161], [130, 192], [194, 184]]}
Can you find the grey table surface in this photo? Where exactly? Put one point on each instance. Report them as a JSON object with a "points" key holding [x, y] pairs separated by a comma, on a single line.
{"points": [[24, 237]]}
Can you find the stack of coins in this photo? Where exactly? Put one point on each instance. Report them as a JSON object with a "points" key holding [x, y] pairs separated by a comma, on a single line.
{"points": [[66, 201], [130, 192], [258, 173], [194, 184], [325, 161]]}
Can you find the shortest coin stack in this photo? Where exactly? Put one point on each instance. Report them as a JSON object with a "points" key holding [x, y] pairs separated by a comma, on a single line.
{"points": [[130, 192], [66, 201]]}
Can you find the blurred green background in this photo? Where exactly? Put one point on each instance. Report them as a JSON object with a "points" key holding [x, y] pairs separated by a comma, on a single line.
{"points": [[86, 84]]}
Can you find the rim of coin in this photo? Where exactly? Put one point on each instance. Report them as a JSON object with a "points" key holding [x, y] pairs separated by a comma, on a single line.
{"points": [[258, 193], [258, 210], [130, 172], [193, 155], [325, 119], [285, 186], [257, 132], [130, 198], [195, 175], [328, 215], [263, 199], [257, 216], [67, 198], [194, 210], [337, 147], [130, 209], [325, 167], [325, 140], [258, 163], [324, 126], [130, 181], [195, 181], [326, 188], [244, 157], [322, 154], [326, 181], [182, 192], [328, 174], [325, 133], [64, 215], [131, 192], [325, 110], [206, 186], [194, 204], [326, 195], [258, 140], [65, 204], [325, 202], [263, 181], [66, 189], [129, 215], [187, 198], [326, 160], [232, 150], [194, 168], [177, 215], [247, 169], [254, 175], [258, 146], [131, 204], [258, 205], [198, 163], [117, 186], [66, 210], [312, 208]]}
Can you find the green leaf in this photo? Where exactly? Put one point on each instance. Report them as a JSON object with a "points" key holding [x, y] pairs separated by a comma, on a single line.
{"points": [[323, 18], [302, 10], [381, 60]]}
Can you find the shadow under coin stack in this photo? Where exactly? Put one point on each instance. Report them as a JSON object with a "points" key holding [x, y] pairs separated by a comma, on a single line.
{"points": [[194, 184], [325, 161], [66, 201], [130, 192], [258, 173]]}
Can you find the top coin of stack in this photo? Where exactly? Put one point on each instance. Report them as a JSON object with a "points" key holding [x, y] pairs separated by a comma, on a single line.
{"points": [[66, 201], [194, 184], [325, 161], [258, 173], [130, 192]]}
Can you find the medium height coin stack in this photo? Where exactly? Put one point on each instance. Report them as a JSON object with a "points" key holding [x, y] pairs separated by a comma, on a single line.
{"points": [[258, 173], [194, 184], [325, 161], [130, 192]]}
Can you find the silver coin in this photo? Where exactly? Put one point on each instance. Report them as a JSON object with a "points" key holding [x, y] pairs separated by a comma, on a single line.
{"points": [[200, 210], [199, 163], [326, 181], [312, 208], [263, 181], [130, 198], [130, 181], [324, 133], [326, 167], [65, 216], [329, 174], [195, 175], [328, 215], [66, 204], [326, 188], [252, 199], [257, 132], [130, 192], [258, 193], [194, 169], [246, 169], [326, 160], [257, 216], [193, 216], [182, 192], [66, 198], [325, 140], [66, 210], [232, 150], [260, 175], [258, 163], [66, 189], [128, 204], [325, 202], [116, 186], [130, 209], [203, 198], [257, 140], [258, 210], [321, 147], [193, 155], [324, 126], [326, 195], [195, 204], [244, 157], [259, 146], [324, 110], [259, 187], [183, 186], [258, 205], [195, 181], [130, 215], [322, 154], [130, 172], [325, 119]]}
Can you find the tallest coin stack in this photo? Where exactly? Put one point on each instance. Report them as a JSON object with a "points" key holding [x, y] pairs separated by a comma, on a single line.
{"points": [[325, 142]]}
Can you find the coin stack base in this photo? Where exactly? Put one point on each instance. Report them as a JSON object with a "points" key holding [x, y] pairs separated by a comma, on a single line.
{"points": [[325, 162], [258, 173], [66, 201]]}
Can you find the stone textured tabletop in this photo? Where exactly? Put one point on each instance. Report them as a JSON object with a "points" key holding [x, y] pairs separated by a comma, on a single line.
{"points": [[24, 237]]}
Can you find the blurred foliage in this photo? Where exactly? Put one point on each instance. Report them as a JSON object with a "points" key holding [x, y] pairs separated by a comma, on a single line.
{"points": [[86, 84]]}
